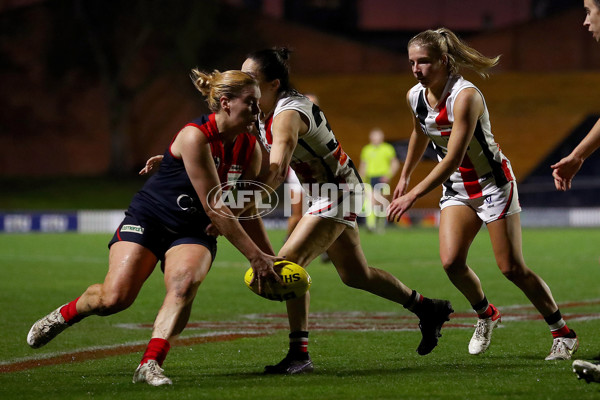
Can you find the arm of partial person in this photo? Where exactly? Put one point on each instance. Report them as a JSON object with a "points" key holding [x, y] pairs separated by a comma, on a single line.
{"points": [[564, 170], [152, 164]]}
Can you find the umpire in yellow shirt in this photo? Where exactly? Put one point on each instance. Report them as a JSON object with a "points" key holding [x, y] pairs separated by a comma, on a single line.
{"points": [[378, 164]]}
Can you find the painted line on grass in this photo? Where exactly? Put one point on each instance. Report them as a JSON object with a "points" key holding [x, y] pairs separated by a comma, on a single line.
{"points": [[256, 325], [94, 353]]}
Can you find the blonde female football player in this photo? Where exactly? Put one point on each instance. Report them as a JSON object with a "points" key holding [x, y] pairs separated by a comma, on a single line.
{"points": [[478, 182], [294, 131], [167, 221]]}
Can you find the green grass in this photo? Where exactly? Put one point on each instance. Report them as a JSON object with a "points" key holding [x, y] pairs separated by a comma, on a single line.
{"points": [[41, 272]]}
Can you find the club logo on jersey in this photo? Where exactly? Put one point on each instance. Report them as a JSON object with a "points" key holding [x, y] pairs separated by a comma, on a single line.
{"points": [[186, 203], [241, 194]]}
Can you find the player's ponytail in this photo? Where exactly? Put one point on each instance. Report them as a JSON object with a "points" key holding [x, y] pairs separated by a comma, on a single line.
{"points": [[443, 42], [217, 84]]}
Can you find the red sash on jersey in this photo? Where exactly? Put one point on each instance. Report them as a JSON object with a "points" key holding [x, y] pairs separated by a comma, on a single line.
{"points": [[231, 165]]}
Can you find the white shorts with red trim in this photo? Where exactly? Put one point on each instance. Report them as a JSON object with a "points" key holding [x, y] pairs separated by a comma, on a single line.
{"points": [[494, 205], [342, 208]]}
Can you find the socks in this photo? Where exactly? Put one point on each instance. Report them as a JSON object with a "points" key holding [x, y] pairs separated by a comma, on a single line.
{"points": [[157, 350], [485, 309], [69, 312], [415, 302], [558, 326], [299, 344]]}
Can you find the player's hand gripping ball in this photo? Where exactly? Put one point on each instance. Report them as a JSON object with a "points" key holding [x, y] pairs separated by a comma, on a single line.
{"points": [[295, 278]]}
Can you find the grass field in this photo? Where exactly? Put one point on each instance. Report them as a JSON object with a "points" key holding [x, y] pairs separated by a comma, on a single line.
{"points": [[363, 347]]}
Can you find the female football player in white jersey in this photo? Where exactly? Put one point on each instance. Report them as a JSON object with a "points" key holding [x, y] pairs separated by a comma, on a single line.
{"points": [[294, 131], [478, 182]]}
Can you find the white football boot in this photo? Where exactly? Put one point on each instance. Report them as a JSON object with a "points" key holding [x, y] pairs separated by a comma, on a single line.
{"points": [[152, 374], [563, 348], [481, 339], [46, 329], [586, 370]]}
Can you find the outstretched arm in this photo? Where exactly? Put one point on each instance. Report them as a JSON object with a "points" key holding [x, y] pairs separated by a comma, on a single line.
{"points": [[191, 145], [564, 170], [249, 217]]}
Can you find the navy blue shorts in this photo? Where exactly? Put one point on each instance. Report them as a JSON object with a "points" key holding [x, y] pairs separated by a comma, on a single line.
{"points": [[157, 238], [375, 180]]}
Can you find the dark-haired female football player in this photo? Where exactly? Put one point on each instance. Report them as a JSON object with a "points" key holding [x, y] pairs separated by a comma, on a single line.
{"points": [[295, 132]]}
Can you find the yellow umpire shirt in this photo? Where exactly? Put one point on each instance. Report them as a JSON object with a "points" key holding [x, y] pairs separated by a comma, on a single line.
{"points": [[378, 159]]}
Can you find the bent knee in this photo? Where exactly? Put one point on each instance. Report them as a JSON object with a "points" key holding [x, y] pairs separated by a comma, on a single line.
{"points": [[515, 272], [454, 266], [113, 303], [183, 286], [354, 280]]}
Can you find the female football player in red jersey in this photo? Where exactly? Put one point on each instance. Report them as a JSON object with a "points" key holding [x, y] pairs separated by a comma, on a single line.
{"points": [[167, 218], [478, 182], [294, 131]]}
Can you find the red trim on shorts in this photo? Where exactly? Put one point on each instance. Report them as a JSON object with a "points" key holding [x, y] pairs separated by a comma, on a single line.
{"points": [[351, 217], [322, 209], [340, 200], [510, 197]]}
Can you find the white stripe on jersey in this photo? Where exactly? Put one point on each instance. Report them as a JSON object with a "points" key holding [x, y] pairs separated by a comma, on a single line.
{"points": [[484, 167]]}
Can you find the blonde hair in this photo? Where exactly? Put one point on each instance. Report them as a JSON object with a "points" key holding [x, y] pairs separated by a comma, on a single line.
{"points": [[443, 41], [217, 84]]}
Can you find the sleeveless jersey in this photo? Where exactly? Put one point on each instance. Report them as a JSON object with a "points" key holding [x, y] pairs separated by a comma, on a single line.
{"points": [[484, 167], [169, 198], [318, 157]]}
